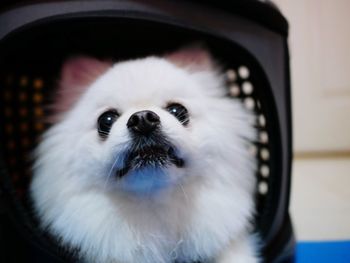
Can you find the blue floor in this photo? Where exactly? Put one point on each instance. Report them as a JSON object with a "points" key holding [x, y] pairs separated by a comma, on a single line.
{"points": [[322, 252]]}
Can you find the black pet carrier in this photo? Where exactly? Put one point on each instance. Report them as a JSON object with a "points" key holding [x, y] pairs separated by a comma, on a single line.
{"points": [[249, 38]]}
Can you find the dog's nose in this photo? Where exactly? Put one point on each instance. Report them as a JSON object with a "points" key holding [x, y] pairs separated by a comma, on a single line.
{"points": [[143, 122]]}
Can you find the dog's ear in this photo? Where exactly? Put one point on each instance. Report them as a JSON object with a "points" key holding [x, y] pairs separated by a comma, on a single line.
{"points": [[82, 71], [194, 57], [76, 76]]}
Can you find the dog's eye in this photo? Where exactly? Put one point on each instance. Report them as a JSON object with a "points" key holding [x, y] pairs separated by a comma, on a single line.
{"points": [[179, 111], [105, 122]]}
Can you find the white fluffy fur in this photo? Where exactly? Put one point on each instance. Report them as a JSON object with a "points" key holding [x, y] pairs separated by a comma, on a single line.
{"points": [[204, 215]]}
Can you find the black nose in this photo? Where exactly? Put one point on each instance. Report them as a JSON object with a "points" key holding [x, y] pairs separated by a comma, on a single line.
{"points": [[143, 122]]}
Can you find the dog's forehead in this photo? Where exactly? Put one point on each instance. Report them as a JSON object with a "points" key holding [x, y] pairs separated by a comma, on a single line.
{"points": [[152, 80]]}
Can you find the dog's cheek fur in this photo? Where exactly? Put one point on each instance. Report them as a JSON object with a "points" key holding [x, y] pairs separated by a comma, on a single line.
{"points": [[223, 202], [68, 197]]}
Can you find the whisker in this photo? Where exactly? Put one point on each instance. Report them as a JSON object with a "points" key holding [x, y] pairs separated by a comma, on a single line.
{"points": [[110, 173], [185, 120], [184, 192]]}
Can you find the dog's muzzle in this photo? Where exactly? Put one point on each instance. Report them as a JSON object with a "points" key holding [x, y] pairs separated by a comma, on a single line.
{"points": [[149, 147], [150, 156]]}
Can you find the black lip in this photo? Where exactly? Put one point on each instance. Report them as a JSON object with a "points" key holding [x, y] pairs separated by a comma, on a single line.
{"points": [[156, 156]]}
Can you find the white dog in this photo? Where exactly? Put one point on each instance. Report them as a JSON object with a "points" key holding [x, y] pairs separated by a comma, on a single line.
{"points": [[147, 162]]}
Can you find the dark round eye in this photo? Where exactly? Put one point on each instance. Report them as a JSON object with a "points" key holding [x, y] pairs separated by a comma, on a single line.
{"points": [[105, 122], [180, 112]]}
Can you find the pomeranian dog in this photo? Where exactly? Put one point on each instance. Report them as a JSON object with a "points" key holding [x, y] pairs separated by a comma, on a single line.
{"points": [[147, 161]]}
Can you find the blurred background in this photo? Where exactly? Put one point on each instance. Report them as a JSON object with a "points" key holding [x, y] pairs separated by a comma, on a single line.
{"points": [[320, 63]]}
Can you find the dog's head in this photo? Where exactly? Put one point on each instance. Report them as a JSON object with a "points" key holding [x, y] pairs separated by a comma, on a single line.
{"points": [[144, 126]]}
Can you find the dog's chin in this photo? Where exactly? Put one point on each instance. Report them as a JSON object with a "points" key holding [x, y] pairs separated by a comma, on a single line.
{"points": [[146, 169]]}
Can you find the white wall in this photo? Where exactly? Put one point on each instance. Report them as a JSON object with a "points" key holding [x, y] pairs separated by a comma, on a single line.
{"points": [[320, 60]]}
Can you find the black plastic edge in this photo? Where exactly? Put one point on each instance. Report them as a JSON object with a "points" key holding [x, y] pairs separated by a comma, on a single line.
{"points": [[284, 242], [265, 13]]}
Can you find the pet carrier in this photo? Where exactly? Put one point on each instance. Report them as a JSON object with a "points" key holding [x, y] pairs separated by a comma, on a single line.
{"points": [[248, 37]]}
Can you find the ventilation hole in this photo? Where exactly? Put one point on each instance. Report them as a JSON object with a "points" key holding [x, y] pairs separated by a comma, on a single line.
{"points": [[8, 112], [38, 112], [15, 177], [264, 171], [247, 88], [253, 150], [23, 81], [37, 98], [22, 96], [263, 188], [38, 84], [249, 103], [9, 128], [234, 90], [243, 72], [7, 95], [25, 142], [231, 75], [11, 145], [262, 120], [13, 161], [23, 112], [9, 80], [39, 126], [263, 136], [23, 127], [264, 154]]}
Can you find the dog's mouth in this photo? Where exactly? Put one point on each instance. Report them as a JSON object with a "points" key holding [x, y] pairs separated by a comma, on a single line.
{"points": [[150, 156]]}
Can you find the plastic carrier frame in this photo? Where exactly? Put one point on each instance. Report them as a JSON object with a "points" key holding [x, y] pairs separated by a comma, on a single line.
{"points": [[249, 38]]}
